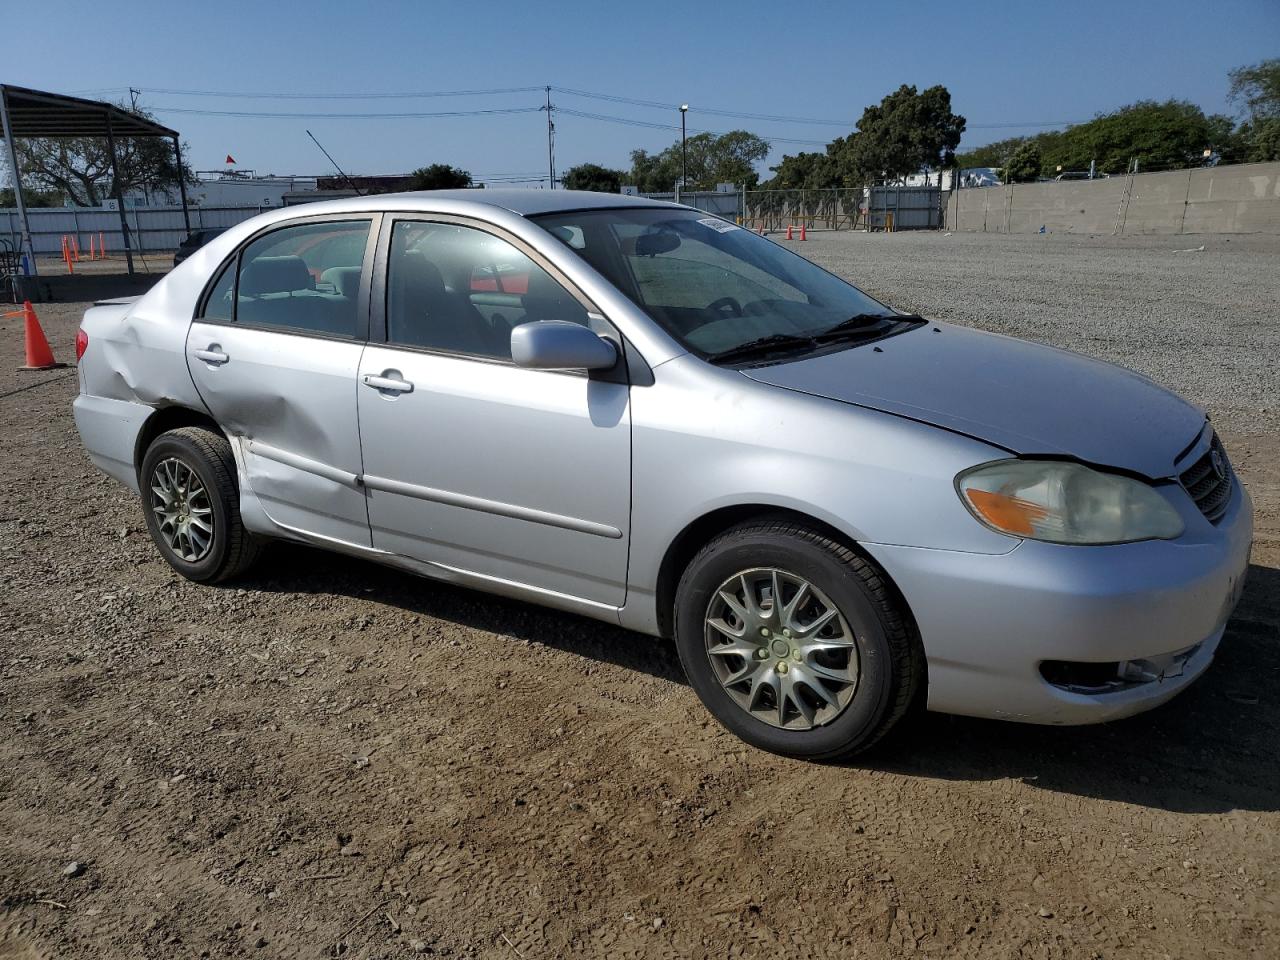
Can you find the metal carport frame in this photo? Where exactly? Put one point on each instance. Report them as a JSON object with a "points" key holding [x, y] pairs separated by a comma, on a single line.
{"points": [[35, 113]]}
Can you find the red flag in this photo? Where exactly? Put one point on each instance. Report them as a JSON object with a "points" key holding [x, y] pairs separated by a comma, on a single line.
{"points": [[230, 158]]}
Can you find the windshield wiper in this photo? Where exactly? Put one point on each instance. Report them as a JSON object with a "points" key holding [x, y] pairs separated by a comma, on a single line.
{"points": [[773, 343], [860, 325], [863, 324]]}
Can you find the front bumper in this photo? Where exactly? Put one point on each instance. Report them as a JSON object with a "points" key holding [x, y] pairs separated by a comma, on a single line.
{"points": [[990, 623]]}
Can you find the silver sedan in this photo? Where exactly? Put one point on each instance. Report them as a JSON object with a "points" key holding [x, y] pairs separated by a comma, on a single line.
{"points": [[642, 413]]}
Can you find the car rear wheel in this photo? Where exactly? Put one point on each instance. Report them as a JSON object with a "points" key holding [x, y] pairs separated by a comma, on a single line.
{"points": [[192, 505], [794, 642]]}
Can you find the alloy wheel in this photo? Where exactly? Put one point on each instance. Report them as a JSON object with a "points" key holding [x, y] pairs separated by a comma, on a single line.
{"points": [[781, 649], [184, 514]]}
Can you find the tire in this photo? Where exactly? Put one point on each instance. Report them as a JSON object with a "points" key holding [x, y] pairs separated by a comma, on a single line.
{"points": [[871, 630], [228, 550]]}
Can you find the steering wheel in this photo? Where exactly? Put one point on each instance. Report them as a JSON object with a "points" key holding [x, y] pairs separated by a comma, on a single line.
{"points": [[729, 304]]}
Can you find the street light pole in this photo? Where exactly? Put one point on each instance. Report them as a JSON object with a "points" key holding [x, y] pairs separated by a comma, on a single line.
{"points": [[684, 151]]}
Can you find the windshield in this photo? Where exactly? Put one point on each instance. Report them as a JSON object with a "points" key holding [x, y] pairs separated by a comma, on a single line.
{"points": [[717, 288]]}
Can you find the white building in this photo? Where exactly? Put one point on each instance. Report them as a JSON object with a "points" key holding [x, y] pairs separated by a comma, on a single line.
{"points": [[234, 190], [928, 178]]}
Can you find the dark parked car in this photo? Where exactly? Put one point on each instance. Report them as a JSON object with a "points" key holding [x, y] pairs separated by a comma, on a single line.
{"points": [[195, 240]]}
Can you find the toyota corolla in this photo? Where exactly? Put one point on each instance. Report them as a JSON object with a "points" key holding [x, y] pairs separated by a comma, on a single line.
{"points": [[646, 414]]}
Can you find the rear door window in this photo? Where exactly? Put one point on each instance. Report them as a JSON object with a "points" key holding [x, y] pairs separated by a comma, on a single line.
{"points": [[304, 278]]}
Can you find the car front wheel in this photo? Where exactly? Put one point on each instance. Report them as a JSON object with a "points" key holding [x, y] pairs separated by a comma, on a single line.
{"points": [[794, 642], [192, 505]]}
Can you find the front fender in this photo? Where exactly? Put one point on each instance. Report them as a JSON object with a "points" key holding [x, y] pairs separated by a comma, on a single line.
{"points": [[706, 438]]}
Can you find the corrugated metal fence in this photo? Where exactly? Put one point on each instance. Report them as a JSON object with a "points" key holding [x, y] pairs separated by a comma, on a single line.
{"points": [[727, 205], [150, 228], [904, 208]]}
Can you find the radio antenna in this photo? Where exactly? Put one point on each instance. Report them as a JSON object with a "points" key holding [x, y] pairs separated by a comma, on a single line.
{"points": [[350, 182]]}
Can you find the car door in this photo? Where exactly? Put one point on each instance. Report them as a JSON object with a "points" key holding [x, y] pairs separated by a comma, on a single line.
{"points": [[274, 352], [473, 463]]}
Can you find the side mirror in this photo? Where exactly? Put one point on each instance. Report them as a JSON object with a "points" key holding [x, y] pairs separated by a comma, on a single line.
{"points": [[560, 345]]}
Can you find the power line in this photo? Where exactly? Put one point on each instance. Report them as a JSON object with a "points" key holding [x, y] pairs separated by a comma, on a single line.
{"points": [[654, 104], [440, 114], [777, 118], [340, 96], [609, 118], [589, 94], [311, 115]]}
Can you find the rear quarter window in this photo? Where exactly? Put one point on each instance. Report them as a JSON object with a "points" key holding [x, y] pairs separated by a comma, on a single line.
{"points": [[219, 304]]}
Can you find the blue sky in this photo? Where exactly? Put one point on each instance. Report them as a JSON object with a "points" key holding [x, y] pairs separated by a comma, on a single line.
{"points": [[1037, 63]]}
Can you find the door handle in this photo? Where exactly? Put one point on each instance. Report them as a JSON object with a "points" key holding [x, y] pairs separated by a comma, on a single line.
{"points": [[212, 355], [389, 382]]}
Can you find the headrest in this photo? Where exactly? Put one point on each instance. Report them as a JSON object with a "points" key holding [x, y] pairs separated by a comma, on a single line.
{"points": [[345, 279], [419, 275], [274, 275]]}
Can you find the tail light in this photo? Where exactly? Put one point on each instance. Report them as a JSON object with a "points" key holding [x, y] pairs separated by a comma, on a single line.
{"points": [[82, 344]]}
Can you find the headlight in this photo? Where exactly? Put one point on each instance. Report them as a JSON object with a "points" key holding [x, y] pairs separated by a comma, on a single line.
{"points": [[1063, 502]]}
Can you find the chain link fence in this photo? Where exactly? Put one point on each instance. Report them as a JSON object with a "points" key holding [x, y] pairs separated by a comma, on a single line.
{"points": [[836, 208]]}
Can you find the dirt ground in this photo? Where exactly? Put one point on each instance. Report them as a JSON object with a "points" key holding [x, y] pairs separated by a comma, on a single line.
{"points": [[333, 759]]}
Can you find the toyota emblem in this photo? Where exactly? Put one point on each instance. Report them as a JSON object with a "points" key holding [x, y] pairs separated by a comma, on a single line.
{"points": [[1219, 463]]}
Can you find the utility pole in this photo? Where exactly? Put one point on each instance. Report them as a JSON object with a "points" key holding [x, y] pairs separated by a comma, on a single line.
{"points": [[684, 153], [551, 134], [133, 98]]}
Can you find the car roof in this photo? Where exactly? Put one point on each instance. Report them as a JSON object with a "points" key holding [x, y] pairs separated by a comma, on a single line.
{"points": [[525, 203]]}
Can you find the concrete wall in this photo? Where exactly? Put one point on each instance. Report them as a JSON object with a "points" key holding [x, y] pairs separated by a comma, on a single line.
{"points": [[1243, 198]]}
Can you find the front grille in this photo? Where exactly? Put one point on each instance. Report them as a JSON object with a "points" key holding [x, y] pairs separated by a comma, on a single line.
{"points": [[1208, 480]]}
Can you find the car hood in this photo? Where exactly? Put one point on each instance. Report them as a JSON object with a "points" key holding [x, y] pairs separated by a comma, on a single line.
{"points": [[1029, 399]]}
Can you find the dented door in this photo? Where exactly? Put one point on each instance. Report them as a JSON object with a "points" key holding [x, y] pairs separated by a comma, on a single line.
{"points": [[274, 353], [290, 403]]}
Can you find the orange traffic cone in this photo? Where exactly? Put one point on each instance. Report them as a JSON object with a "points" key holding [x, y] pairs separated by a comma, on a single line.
{"points": [[39, 356], [788, 231], [803, 235]]}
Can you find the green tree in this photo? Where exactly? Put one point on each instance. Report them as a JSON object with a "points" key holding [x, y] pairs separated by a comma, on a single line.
{"points": [[809, 170], [32, 198], [992, 155], [727, 158], [654, 172], [904, 133], [79, 168], [1160, 136], [1261, 141], [439, 176], [1024, 165], [592, 176], [1256, 89]]}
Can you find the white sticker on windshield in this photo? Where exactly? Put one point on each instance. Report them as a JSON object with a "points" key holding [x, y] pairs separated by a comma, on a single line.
{"points": [[718, 225]]}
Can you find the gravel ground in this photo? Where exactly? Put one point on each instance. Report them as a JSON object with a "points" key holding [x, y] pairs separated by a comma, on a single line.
{"points": [[332, 759]]}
